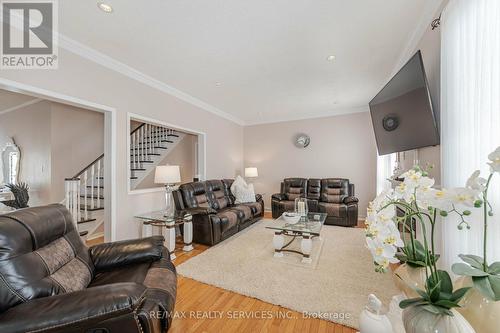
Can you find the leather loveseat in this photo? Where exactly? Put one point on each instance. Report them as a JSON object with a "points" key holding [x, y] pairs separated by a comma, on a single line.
{"points": [[51, 282], [333, 196], [216, 216]]}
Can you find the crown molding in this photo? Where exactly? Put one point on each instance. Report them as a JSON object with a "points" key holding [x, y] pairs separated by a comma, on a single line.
{"points": [[22, 105], [428, 15], [91, 54], [333, 113]]}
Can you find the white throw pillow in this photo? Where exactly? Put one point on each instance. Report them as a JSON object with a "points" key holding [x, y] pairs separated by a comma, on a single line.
{"points": [[242, 191]]}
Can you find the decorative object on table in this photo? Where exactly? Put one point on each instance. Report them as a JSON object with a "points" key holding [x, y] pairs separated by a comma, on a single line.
{"points": [[302, 140], [168, 175], [301, 207], [481, 304], [10, 163], [21, 196], [291, 217], [371, 320], [421, 204], [410, 278], [243, 192]]}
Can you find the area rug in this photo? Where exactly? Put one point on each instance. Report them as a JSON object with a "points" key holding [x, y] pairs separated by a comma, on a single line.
{"points": [[335, 288]]}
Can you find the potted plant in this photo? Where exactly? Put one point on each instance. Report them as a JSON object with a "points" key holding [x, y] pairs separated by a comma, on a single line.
{"points": [[481, 305], [432, 308]]}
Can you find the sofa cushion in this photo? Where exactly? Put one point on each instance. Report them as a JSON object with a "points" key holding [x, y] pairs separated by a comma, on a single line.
{"points": [[333, 209], [246, 212], [288, 205], [334, 190], [255, 207], [195, 195], [217, 194], [313, 188], [228, 219], [294, 188]]}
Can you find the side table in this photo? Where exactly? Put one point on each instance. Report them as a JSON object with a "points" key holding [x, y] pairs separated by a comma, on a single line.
{"points": [[167, 226]]}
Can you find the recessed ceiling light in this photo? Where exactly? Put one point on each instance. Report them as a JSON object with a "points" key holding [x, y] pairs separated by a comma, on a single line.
{"points": [[105, 7], [330, 57]]}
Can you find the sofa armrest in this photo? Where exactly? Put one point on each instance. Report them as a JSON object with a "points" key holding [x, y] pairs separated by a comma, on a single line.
{"points": [[278, 196], [258, 197], [351, 200], [109, 255], [75, 311], [198, 211]]}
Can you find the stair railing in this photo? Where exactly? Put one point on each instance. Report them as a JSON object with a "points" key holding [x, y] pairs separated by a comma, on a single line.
{"points": [[84, 186]]}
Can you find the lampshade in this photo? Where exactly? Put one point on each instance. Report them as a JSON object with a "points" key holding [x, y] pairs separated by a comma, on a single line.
{"points": [[167, 174], [251, 172]]}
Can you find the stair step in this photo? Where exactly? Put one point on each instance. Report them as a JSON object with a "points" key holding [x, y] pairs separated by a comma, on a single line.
{"points": [[89, 186], [137, 169], [91, 209], [85, 221], [148, 142], [176, 135], [149, 154], [83, 233], [133, 177], [153, 148], [92, 197], [145, 162]]}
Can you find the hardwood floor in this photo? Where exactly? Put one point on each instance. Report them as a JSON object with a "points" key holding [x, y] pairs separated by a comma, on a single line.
{"points": [[196, 301], [202, 308]]}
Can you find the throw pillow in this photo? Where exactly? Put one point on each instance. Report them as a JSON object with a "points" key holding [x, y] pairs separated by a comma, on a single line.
{"points": [[242, 191]]}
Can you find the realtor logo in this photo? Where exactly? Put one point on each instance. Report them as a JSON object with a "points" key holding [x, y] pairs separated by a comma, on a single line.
{"points": [[29, 34]]}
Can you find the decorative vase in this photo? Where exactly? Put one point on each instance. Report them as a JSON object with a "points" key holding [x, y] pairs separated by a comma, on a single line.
{"points": [[301, 206], [406, 278], [418, 320], [482, 313]]}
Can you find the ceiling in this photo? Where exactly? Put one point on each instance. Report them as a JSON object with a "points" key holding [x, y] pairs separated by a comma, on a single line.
{"points": [[11, 101], [256, 61]]}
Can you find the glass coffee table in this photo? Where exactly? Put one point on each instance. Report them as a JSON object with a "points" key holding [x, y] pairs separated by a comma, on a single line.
{"points": [[166, 225], [307, 228]]}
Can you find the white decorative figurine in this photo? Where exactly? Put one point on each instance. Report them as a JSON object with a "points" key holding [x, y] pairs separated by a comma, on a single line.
{"points": [[371, 321]]}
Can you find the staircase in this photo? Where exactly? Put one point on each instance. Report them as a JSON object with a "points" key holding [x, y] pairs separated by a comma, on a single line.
{"points": [[84, 198], [149, 145]]}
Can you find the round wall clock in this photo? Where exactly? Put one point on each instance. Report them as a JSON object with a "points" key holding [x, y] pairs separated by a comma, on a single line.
{"points": [[302, 140]]}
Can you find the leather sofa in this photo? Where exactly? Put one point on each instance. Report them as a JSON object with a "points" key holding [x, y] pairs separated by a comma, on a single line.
{"points": [[333, 196], [216, 216], [51, 282]]}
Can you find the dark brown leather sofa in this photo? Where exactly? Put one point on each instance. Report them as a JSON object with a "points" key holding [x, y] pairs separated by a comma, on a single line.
{"points": [[215, 215], [51, 282], [334, 196]]}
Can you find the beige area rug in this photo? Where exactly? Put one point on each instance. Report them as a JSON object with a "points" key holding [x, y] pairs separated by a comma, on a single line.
{"points": [[336, 285]]}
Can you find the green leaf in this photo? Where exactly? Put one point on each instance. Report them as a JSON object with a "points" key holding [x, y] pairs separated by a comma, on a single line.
{"points": [[474, 261], [494, 268], [433, 309], [423, 294], [409, 302], [446, 304], [445, 279], [458, 294], [435, 291], [489, 286], [464, 269]]}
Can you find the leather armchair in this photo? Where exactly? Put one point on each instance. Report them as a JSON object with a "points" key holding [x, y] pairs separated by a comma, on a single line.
{"points": [[51, 282]]}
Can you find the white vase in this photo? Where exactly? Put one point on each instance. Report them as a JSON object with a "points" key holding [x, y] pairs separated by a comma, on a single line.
{"points": [[406, 278], [482, 313], [418, 320]]}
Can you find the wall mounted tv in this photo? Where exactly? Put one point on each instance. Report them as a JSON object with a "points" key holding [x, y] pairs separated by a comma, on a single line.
{"points": [[402, 113]]}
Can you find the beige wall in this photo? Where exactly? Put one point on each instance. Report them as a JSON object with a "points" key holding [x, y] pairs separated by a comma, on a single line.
{"points": [[56, 142], [341, 146], [182, 155], [83, 79], [77, 138], [30, 128]]}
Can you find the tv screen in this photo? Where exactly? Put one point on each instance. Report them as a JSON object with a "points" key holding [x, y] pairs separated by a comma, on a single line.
{"points": [[402, 113]]}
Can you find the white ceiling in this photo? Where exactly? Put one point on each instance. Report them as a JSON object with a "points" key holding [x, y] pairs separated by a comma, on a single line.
{"points": [[11, 101], [269, 56]]}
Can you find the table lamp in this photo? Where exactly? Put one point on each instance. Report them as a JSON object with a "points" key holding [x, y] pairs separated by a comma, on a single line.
{"points": [[251, 172], [168, 175]]}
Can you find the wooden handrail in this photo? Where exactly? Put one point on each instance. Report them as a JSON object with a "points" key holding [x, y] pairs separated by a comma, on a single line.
{"points": [[88, 166], [139, 127]]}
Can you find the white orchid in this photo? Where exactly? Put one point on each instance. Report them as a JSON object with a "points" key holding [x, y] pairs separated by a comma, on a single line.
{"points": [[494, 157], [383, 254], [390, 235], [475, 182], [463, 196]]}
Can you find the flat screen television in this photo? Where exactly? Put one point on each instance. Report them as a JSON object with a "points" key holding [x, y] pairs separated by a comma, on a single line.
{"points": [[402, 113]]}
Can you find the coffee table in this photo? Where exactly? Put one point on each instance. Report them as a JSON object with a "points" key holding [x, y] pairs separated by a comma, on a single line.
{"points": [[167, 226], [307, 228]]}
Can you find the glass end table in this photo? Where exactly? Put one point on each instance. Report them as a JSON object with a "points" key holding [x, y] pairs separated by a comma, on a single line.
{"points": [[167, 225], [307, 228]]}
